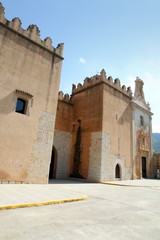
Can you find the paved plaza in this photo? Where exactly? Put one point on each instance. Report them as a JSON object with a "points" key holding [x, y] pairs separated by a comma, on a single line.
{"points": [[131, 211]]}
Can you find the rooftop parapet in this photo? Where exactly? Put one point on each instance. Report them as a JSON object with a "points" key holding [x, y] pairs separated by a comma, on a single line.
{"points": [[89, 82], [64, 97], [31, 33]]}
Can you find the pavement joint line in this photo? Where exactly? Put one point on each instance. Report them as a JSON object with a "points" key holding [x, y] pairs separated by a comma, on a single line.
{"points": [[125, 185], [36, 204]]}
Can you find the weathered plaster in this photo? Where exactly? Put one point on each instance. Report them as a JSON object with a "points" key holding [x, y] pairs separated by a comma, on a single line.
{"points": [[62, 141], [102, 163], [41, 150]]}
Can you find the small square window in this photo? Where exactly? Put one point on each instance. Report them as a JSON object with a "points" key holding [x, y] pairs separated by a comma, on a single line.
{"points": [[21, 106], [23, 102]]}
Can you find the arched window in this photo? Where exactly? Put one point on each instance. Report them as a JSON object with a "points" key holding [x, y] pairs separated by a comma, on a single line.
{"points": [[141, 121], [117, 171], [21, 106]]}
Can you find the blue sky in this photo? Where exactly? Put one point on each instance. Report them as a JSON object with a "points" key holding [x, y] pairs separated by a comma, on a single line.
{"points": [[121, 36]]}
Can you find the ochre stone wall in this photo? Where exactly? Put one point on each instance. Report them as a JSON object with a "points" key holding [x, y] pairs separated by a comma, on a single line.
{"points": [[112, 145], [117, 122], [104, 116], [87, 107], [104, 121], [29, 69], [64, 116], [96, 128], [62, 144]]}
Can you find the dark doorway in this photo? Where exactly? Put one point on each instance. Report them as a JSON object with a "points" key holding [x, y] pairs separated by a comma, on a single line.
{"points": [[117, 171], [144, 167], [53, 164]]}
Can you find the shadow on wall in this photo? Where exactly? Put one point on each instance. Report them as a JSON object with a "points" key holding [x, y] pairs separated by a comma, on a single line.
{"points": [[125, 117], [7, 104]]}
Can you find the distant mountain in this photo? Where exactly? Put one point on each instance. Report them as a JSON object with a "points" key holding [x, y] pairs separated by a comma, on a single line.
{"points": [[156, 142]]}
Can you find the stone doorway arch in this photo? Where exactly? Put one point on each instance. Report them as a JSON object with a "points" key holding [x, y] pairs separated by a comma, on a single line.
{"points": [[53, 164], [117, 171]]}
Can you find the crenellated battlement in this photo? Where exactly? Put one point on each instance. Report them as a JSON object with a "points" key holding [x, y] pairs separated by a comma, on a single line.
{"points": [[64, 97], [32, 33], [89, 82]]}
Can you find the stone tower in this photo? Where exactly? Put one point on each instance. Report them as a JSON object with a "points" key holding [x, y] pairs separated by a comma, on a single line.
{"points": [[96, 124], [29, 81]]}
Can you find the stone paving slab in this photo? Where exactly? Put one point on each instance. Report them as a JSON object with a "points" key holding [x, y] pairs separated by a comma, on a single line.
{"points": [[27, 195], [111, 212]]}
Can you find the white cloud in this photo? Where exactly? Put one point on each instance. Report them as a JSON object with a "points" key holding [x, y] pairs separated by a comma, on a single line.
{"points": [[82, 60]]}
